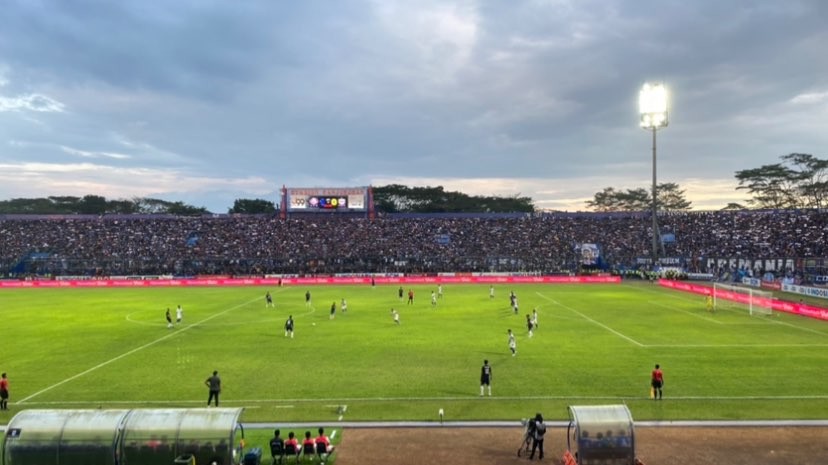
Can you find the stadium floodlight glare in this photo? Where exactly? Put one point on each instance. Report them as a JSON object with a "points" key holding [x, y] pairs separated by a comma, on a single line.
{"points": [[652, 105]]}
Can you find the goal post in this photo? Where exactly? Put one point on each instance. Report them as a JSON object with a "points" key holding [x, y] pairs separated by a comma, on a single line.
{"points": [[756, 302]]}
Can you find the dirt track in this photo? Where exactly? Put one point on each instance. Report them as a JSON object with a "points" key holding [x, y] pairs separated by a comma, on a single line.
{"points": [[654, 446]]}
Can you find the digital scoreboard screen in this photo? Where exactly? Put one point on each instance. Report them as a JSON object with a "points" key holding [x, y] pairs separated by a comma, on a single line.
{"points": [[327, 203], [326, 199]]}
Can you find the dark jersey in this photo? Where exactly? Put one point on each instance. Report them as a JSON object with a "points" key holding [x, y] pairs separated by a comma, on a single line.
{"points": [[485, 374]]}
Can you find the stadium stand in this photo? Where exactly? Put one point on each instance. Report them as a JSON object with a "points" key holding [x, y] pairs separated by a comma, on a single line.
{"points": [[255, 245]]}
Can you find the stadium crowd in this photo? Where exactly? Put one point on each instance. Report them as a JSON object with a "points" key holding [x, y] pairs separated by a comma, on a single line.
{"points": [[250, 245]]}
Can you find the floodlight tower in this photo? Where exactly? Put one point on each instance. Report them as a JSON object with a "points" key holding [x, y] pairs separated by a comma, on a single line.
{"points": [[652, 105]]}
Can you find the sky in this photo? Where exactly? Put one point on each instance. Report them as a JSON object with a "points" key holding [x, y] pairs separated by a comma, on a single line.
{"points": [[209, 101]]}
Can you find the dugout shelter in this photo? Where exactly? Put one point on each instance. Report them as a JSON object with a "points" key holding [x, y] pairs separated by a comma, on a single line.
{"points": [[124, 437], [601, 435]]}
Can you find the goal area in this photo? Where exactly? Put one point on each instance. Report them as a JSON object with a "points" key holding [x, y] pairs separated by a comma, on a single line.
{"points": [[756, 302]]}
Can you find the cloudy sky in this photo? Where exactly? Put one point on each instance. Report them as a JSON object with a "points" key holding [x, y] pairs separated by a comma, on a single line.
{"points": [[206, 101]]}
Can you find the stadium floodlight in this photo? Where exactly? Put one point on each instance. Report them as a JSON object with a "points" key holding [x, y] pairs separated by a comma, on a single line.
{"points": [[652, 106]]}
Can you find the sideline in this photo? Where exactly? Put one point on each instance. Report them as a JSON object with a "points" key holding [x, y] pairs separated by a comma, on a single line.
{"points": [[518, 424]]}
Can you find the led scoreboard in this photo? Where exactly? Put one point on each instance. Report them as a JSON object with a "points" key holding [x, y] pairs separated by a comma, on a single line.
{"points": [[325, 199]]}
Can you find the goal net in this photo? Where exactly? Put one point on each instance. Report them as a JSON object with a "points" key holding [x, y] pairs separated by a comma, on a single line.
{"points": [[742, 298]]}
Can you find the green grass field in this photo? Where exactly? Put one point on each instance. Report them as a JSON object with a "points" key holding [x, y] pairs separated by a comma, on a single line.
{"points": [[596, 344]]}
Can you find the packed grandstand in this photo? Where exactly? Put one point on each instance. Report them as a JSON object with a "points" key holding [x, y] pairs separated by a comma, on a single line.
{"points": [[757, 242]]}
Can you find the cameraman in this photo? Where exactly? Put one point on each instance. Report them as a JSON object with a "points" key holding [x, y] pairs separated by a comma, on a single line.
{"points": [[538, 430]]}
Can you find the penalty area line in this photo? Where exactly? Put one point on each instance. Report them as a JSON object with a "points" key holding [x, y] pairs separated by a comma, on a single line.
{"points": [[595, 322], [128, 353]]}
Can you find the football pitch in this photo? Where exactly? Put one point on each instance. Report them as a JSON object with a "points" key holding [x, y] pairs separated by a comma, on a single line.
{"points": [[595, 344]]}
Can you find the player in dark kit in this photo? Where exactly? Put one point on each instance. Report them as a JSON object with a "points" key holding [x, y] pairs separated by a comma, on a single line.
{"points": [[268, 299], [410, 296], [333, 310], [486, 377], [400, 293], [289, 327], [307, 299]]}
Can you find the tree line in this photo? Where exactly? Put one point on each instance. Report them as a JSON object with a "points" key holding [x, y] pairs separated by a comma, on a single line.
{"points": [[799, 180]]}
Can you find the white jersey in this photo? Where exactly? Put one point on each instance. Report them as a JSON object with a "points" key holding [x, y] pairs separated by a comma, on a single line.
{"points": [[179, 314], [512, 342]]}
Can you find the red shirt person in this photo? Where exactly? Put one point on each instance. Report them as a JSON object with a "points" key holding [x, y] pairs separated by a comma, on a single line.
{"points": [[322, 439], [657, 382], [4, 392]]}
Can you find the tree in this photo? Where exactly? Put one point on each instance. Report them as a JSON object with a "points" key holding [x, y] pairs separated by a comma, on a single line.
{"points": [[734, 206], [813, 178], [252, 206], [669, 198], [799, 181], [398, 198], [772, 186], [92, 205]]}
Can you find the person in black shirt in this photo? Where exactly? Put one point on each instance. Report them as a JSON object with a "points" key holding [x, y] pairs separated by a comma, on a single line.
{"points": [[289, 327], [214, 383], [486, 377], [277, 446], [537, 438]]}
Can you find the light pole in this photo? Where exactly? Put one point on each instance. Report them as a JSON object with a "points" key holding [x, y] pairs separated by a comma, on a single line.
{"points": [[652, 105]]}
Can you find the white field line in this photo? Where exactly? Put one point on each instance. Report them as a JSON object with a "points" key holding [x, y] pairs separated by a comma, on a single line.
{"points": [[591, 320], [475, 398], [137, 349], [732, 346], [712, 320], [681, 296]]}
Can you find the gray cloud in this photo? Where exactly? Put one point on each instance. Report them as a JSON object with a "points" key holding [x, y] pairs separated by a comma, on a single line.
{"points": [[339, 93]]}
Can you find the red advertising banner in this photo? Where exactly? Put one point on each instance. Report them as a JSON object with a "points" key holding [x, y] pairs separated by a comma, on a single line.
{"points": [[224, 281], [810, 311]]}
